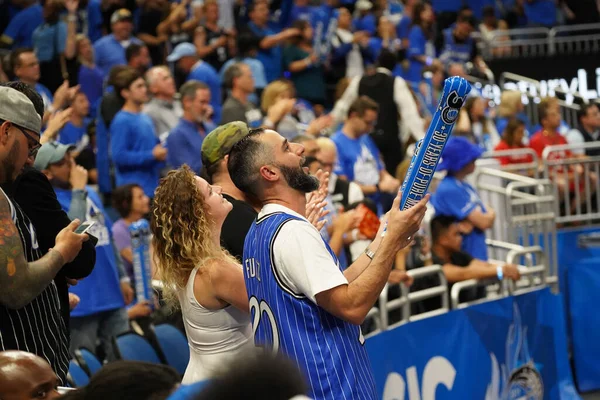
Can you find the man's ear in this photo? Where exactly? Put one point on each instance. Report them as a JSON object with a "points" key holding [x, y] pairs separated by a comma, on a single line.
{"points": [[47, 173], [269, 173], [4, 134]]}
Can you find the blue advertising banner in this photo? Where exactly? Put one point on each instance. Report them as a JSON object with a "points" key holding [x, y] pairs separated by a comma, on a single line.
{"points": [[578, 260], [513, 348]]}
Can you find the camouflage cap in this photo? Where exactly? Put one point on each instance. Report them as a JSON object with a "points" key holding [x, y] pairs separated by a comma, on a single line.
{"points": [[218, 143]]}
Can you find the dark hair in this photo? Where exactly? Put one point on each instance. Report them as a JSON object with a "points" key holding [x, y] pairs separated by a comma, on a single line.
{"points": [[246, 43], [133, 50], [15, 57], [32, 95], [488, 11], [583, 110], [124, 79], [387, 59], [129, 380], [265, 376], [122, 198], [301, 25], [426, 27], [244, 158], [439, 225], [509, 132], [361, 105], [114, 72], [232, 72]]}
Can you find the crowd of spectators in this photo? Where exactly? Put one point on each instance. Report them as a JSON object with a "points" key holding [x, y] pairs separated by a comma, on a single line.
{"points": [[133, 89]]}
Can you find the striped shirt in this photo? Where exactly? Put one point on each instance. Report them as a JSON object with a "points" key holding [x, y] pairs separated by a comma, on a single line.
{"points": [[37, 327], [285, 316]]}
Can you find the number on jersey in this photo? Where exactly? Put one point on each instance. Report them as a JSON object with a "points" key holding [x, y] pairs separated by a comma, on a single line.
{"points": [[260, 309]]}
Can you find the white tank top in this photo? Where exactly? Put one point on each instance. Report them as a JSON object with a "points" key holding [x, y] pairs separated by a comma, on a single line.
{"points": [[212, 331]]}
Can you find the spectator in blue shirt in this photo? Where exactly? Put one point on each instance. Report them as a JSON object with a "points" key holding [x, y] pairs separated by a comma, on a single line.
{"points": [[94, 20], [421, 51], [247, 47], [19, 31], [26, 68], [269, 41], [405, 23], [90, 77], [138, 57], [455, 197], [136, 152], [540, 12], [185, 140], [359, 160], [189, 63], [301, 10], [110, 50], [103, 295], [366, 20], [75, 131]]}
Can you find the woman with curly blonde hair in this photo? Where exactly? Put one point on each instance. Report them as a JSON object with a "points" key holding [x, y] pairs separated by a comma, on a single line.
{"points": [[208, 283]]}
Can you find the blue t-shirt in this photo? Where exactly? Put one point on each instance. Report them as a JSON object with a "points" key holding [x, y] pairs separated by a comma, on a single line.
{"points": [[501, 123], [94, 19], [47, 96], [49, 41], [302, 13], [204, 72], [21, 27], [418, 46], [455, 52], [270, 58], [458, 199], [185, 144], [358, 160], [91, 82], [403, 27], [109, 52], [366, 23], [75, 135], [132, 140], [446, 5], [477, 7], [100, 291], [541, 12]]}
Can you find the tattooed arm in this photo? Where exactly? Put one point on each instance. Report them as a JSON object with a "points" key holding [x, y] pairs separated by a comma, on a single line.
{"points": [[20, 281]]}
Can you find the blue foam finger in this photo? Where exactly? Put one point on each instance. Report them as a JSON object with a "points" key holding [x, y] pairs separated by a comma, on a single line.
{"points": [[427, 155]]}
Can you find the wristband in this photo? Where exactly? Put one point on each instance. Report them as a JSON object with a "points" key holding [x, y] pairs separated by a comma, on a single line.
{"points": [[425, 257], [500, 273], [428, 61], [72, 18], [369, 253], [307, 62]]}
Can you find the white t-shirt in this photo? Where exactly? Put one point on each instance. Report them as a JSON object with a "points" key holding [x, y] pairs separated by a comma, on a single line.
{"points": [[301, 258]]}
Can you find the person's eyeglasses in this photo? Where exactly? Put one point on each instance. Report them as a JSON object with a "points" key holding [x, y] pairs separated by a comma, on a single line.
{"points": [[32, 143]]}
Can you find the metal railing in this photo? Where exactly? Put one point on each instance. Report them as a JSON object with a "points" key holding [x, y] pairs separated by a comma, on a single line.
{"points": [[536, 42], [525, 217], [577, 182], [512, 43], [530, 169], [533, 91]]}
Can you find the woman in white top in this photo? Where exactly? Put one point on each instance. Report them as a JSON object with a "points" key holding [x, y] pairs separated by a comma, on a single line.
{"points": [[188, 214]]}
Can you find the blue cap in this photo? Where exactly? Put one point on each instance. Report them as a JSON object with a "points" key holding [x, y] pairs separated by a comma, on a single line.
{"points": [[182, 50], [459, 152]]}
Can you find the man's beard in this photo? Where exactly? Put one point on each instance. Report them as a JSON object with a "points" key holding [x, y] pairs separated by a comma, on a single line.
{"points": [[297, 179], [8, 165]]}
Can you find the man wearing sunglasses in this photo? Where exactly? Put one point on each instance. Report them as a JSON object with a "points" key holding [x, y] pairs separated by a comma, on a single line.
{"points": [[29, 303]]}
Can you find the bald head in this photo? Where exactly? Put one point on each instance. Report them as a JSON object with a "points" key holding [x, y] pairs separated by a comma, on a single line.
{"points": [[25, 376], [327, 153]]}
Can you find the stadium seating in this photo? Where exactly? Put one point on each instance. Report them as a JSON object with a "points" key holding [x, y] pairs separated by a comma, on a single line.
{"points": [[174, 346], [77, 376], [88, 361], [131, 346]]}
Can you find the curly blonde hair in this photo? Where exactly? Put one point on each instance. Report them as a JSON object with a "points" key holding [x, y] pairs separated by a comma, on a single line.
{"points": [[181, 229]]}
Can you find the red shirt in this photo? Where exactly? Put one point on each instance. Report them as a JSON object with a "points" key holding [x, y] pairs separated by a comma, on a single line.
{"points": [[539, 142], [514, 159]]}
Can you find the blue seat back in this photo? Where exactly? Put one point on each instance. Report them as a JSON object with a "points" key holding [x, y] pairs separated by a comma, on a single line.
{"points": [[77, 375], [174, 346], [90, 359], [132, 346]]}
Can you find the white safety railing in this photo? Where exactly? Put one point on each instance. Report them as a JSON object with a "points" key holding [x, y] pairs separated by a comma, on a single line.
{"points": [[577, 182], [575, 39], [530, 169], [525, 214], [533, 91], [512, 43], [540, 42]]}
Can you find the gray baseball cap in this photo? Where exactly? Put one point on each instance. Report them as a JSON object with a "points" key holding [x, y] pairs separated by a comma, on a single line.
{"points": [[15, 107], [50, 153]]}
